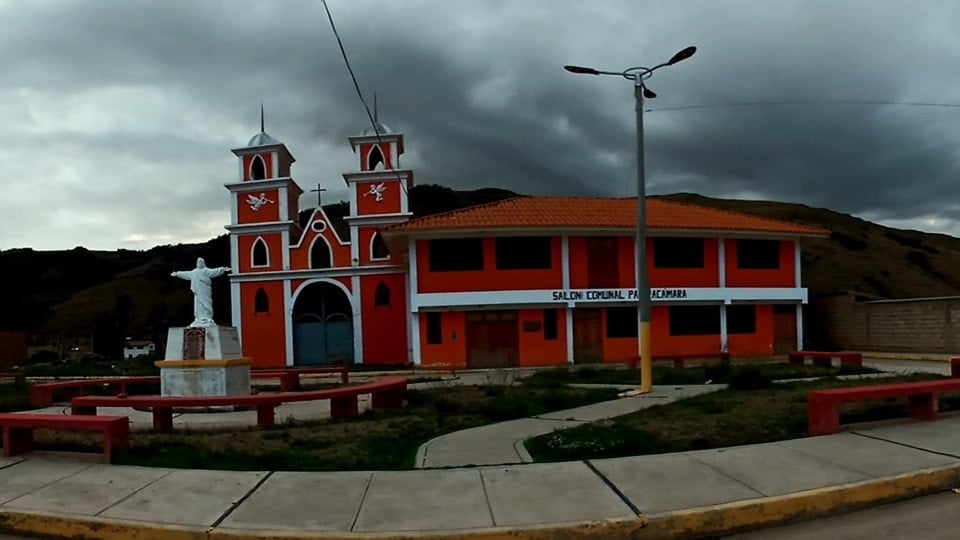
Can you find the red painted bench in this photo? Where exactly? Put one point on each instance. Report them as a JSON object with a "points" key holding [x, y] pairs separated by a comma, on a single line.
{"points": [[679, 360], [823, 406], [290, 378], [17, 376], [18, 430], [41, 394], [824, 358], [387, 392]]}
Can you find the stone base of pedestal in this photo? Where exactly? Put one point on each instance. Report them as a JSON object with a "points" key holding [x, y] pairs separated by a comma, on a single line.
{"points": [[202, 342], [182, 378]]}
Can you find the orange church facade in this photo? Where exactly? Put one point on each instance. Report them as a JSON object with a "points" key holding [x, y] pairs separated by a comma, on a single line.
{"points": [[529, 281]]}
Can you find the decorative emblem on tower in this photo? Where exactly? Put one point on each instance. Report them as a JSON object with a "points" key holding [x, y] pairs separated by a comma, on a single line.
{"points": [[377, 191], [256, 202]]}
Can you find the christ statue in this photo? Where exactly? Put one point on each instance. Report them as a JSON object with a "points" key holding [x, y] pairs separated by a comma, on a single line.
{"points": [[200, 279]]}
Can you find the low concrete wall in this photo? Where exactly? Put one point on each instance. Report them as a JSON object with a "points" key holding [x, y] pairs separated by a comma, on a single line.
{"points": [[930, 325]]}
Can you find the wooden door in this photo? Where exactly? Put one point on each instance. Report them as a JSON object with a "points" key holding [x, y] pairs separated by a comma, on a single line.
{"points": [[493, 339], [784, 329], [587, 336], [603, 265]]}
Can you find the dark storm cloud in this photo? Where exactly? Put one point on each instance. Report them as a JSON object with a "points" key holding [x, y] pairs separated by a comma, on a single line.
{"points": [[131, 106]]}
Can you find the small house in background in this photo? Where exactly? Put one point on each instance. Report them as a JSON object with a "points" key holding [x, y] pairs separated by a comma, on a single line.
{"points": [[13, 348], [133, 348]]}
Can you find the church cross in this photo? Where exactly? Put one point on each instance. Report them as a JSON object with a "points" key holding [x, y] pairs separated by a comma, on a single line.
{"points": [[319, 191]]}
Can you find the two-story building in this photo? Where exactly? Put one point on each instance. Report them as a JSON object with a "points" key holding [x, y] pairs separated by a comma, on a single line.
{"points": [[528, 281]]}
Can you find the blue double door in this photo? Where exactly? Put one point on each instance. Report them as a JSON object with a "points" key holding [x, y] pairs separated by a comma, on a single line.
{"points": [[322, 326]]}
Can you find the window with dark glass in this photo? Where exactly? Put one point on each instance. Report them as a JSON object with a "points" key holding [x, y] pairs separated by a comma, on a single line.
{"points": [[434, 331], [549, 324], [758, 254], [320, 254], [456, 254], [742, 319], [694, 320], [622, 322], [260, 255], [258, 171], [261, 303], [381, 296], [678, 252], [523, 252]]}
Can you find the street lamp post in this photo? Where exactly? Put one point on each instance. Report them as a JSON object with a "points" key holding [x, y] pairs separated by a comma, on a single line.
{"points": [[640, 91]]}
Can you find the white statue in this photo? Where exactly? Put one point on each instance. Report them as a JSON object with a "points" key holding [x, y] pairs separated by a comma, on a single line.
{"points": [[200, 279]]}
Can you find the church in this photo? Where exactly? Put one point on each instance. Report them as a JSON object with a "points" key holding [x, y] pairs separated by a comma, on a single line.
{"points": [[527, 281]]}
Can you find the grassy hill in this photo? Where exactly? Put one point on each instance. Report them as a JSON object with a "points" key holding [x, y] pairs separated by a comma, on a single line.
{"points": [[108, 295]]}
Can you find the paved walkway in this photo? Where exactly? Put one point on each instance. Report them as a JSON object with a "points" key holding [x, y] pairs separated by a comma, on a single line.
{"points": [[502, 443], [682, 495]]}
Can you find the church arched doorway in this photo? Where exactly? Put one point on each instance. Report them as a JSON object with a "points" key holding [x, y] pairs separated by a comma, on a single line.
{"points": [[322, 326]]}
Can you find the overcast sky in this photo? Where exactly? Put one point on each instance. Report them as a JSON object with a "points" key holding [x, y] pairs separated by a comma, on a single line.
{"points": [[117, 116]]}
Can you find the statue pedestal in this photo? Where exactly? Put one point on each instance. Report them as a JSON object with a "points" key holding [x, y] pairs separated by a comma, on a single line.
{"points": [[204, 361]]}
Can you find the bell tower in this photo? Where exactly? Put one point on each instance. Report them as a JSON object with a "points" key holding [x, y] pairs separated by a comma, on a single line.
{"points": [[378, 193]]}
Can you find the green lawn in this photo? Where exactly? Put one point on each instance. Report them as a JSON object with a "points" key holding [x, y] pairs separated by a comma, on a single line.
{"points": [[751, 411]]}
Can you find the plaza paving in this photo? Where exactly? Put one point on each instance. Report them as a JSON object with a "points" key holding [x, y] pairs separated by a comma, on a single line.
{"points": [[679, 495]]}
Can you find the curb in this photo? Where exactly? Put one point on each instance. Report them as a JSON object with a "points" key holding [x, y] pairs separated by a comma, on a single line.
{"points": [[740, 516], [49, 525]]}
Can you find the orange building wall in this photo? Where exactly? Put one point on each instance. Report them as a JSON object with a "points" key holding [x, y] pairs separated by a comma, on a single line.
{"points": [[534, 349], [488, 279], [758, 343], [267, 212], [263, 337], [274, 249], [782, 277], [267, 158], [708, 276], [452, 352], [300, 255], [384, 328], [368, 204]]}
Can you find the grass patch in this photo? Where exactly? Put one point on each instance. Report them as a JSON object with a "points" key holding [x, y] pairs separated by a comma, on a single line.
{"points": [[377, 440], [721, 419], [98, 368], [713, 372]]}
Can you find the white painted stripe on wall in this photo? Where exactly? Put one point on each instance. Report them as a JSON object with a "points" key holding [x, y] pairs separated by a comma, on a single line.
{"points": [[357, 320], [288, 322]]}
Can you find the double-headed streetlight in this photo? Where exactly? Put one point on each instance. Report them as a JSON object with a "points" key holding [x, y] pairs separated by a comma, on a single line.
{"points": [[638, 75]]}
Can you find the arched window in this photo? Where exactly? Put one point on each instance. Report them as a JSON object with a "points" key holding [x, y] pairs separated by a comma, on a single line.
{"points": [[374, 158], [378, 248], [258, 170], [381, 296], [261, 303], [260, 256], [320, 254]]}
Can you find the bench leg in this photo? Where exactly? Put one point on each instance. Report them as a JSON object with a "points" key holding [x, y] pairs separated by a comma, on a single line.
{"points": [[163, 418], [388, 399], [117, 437], [823, 361], [265, 415], [40, 397], [344, 377], [344, 407], [85, 411], [17, 441], [823, 418], [851, 360], [924, 407], [955, 368], [795, 358]]}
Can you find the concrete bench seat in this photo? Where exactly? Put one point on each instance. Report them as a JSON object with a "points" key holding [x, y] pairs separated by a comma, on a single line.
{"points": [[823, 406], [387, 392], [825, 358], [18, 430]]}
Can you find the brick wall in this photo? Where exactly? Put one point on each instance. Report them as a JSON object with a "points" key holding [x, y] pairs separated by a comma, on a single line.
{"points": [[915, 325]]}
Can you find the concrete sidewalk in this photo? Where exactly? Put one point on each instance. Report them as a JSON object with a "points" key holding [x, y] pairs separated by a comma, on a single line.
{"points": [[688, 494], [502, 443]]}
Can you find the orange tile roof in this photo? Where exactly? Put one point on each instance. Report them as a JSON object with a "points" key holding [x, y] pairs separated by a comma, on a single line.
{"points": [[598, 213]]}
